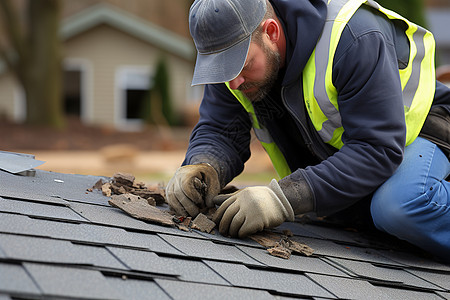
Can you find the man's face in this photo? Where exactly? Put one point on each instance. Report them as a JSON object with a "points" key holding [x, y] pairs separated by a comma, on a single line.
{"points": [[259, 73]]}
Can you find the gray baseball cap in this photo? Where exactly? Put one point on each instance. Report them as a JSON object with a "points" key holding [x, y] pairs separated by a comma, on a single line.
{"points": [[222, 31]]}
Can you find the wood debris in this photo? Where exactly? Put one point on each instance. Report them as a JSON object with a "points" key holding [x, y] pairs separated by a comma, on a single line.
{"points": [[281, 245], [124, 183], [280, 251], [141, 209], [266, 238], [140, 202], [183, 223], [203, 223]]}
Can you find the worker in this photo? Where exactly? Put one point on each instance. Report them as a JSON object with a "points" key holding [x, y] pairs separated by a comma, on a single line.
{"points": [[344, 99]]}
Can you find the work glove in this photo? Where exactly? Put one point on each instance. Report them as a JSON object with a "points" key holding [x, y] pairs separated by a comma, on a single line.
{"points": [[252, 209], [192, 188]]}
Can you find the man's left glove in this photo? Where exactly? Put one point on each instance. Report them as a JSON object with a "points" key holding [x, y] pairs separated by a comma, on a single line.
{"points": [[252, 209], [192, 188]]}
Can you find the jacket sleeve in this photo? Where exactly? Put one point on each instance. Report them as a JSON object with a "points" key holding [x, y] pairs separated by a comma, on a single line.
{"points": [[222, 135], [371, 108]]}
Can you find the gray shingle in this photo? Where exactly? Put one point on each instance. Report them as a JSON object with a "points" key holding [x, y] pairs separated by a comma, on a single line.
{"points": [[296, 227], [412, 260], [179, 290], [115, 217], [46, 186], [397, 293], [331, 249], [242, 276], [154, 243], [7, 192], [71, 282], [437, 278], [334, 234], [193, 270], [444, 295], [86, 233], [368, 270], [188, 270], [295, 262], [17, 163], [208, 249], [108, 216], [55, 251], [14, 278], [39, 210], [217, 237], [133, 289], [144, 261], [347, 288]]}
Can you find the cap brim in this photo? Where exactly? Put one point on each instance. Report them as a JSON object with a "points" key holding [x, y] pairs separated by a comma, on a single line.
{"points": [[221, 66]]}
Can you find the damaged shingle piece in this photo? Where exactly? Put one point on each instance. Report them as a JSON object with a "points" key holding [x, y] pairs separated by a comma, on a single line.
{"points": [[124, 183], [140, 208], [280, 251], [281, 245], [17, 163], [202, 223]]}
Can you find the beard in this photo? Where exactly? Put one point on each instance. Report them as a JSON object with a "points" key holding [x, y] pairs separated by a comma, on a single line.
{"points": [[265, 85]]}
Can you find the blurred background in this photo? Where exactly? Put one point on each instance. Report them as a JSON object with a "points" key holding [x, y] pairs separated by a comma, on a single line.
{"points": [[99, 87]]}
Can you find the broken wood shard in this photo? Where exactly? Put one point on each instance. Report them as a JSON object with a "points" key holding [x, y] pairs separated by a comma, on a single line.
{"points": [[280, 251], [281, 245], [266, 238], [139, 208], [123, 179], [106, 189], [124, 183], [202, 223], [301, 248]]}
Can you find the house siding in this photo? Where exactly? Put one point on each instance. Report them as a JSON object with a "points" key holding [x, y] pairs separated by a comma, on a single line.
{"points": [[108, 50]]}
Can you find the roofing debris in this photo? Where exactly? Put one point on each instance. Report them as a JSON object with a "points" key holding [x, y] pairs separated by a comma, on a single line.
{"points": [[280, 244], [140, 202], [141, 209], [18, 163], [123, 183]]}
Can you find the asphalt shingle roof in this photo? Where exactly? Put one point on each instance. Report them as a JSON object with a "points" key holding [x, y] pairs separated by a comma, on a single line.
{"points": [[59, 241]]}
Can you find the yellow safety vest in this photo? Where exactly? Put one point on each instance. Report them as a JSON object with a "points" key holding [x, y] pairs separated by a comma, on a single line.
{"points": [[320, 95], [418, 78]]}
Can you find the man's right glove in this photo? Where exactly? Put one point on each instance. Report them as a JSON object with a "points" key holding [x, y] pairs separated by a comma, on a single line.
{"points": [[192, 188]]}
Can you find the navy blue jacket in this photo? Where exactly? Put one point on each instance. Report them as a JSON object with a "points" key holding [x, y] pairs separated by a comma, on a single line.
{"points": [[365, 74]]}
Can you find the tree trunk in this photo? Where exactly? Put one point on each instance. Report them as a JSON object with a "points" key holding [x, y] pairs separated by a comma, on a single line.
{"points": [[37, 63], [43, 80]]}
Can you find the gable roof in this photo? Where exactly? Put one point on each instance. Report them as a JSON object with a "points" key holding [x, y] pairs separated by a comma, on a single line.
{"points": [[104, 13], [57, 240]]}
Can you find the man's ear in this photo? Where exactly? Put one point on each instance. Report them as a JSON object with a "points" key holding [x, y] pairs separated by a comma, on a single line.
{"points": [[272, 29]]}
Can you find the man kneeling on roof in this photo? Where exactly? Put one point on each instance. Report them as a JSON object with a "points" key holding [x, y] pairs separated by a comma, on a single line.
{"points": [[344, 99]]}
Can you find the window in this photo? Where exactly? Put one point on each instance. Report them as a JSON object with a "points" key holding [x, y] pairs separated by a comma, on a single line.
{"points": [[132, 91]]}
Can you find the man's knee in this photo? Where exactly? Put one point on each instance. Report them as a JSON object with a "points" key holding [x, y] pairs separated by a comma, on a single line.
{"points": [[388, 208]]}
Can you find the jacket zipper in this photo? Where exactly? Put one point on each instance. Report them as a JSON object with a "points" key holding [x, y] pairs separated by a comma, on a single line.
{"points": [[303, 130]]}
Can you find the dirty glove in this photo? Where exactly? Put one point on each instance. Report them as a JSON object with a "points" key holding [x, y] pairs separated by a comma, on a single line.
{"points": [[192, 188], [252, 209]]}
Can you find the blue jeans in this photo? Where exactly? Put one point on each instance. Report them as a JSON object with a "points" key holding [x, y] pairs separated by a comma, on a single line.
{"points": [[414, 204]]}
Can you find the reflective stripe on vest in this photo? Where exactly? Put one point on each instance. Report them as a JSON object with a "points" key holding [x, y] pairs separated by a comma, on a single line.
{"points": [[263, 135], [320, 95]]}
